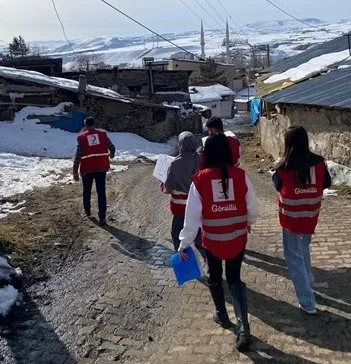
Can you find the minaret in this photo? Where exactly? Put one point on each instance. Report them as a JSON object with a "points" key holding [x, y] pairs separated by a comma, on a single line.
{"points": [[227, 41], [202, 41]]}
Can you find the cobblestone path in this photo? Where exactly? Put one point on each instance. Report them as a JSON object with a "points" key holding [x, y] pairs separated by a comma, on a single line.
{"points": [[119, 303]]}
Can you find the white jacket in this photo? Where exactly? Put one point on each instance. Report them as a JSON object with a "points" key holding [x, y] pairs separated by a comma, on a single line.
{"points": [[193, 213]]}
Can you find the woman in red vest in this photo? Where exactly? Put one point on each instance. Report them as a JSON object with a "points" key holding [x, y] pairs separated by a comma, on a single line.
{"points": [[300, 178], [222, 202]]}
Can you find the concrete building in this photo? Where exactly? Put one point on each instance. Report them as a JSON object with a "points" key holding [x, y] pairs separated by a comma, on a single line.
{"points": [[235, 76]]}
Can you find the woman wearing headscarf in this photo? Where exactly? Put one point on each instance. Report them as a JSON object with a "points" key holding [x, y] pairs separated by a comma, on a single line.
{"points": [[178, 184]]}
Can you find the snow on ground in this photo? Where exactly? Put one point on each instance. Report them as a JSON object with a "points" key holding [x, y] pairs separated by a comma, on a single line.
{"points": [[28, 138], [341, 175], [7, 208], [313, 66], [19, 174], [8, 297], [36, 155]]}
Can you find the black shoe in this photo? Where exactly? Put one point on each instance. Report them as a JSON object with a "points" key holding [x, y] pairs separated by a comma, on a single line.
{"points": [[222, 320], [220, 315], [238, 292], [102, 222], [243, 342]]}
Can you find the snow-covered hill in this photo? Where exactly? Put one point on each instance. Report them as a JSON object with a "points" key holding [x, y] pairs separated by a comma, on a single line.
{"points": [[285, 37]]}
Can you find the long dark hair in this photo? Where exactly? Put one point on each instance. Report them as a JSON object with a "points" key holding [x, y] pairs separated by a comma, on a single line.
{"points": [[297, 154], [218, 155]]}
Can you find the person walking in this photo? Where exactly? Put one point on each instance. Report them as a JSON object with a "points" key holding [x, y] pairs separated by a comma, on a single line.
{"points": [[178, 183], [222, 201], [215, 127], [94, 150], [300, 178]]}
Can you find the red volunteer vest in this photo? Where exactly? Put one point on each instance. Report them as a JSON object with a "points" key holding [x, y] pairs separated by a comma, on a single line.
{"points": [[178, 203], [235, 148], [224, 222], [299, 206], [95, 154]]}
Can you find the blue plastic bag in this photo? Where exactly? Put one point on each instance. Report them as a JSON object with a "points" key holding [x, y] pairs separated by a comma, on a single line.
{"points": [[186, 270]]}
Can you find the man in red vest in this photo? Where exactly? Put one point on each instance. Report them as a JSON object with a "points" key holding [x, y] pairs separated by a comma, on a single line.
{"points": [[215, 127], [93, 155]]}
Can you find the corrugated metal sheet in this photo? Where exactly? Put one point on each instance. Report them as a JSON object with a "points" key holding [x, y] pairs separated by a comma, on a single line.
{"points": [[335, 45], [332, 89]]}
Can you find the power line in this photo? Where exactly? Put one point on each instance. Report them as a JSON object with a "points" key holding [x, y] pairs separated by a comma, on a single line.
{"points": [[149, 29], [2, 41], [199, 17], [227, 12], [68, 41], [208, 13], [291, 16], [224, 20], [63, 27], [215, 11]]}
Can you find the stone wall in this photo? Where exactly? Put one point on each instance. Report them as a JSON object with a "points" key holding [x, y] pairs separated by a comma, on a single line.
{"points": [[153, 123], [329, 131]]}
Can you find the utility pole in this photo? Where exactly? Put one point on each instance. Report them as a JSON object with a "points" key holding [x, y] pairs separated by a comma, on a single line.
{"points": [[227, 41], [268, 56], [202, 41], [348, 35]]}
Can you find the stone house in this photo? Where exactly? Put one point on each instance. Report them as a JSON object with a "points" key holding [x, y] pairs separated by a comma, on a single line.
{"points": [[135, 82], [316, 97], [156, 122]]}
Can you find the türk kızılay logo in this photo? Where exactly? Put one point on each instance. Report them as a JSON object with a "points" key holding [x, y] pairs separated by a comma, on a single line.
{"points": [[310, 189], [219, 196]]}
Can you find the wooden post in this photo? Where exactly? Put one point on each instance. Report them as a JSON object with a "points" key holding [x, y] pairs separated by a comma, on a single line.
{"points": [[151, 79], [82, 86], [269, 117]]}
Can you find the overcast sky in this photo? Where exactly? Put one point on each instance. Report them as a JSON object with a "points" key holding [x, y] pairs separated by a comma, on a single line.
{"points": [[36, 20]]}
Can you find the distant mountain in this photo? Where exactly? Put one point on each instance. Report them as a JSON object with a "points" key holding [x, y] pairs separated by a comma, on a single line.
{"points": [[275, 26], [105, 43], [286, 38]]}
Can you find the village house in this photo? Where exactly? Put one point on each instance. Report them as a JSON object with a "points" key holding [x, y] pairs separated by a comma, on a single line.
{"points": [[135, 82], [311, 89], [218, 98], [236, 77], [47, 65], [114, 112]]}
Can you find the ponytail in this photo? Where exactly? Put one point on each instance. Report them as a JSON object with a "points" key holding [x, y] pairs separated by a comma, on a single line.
{"points": [[224, 178]]}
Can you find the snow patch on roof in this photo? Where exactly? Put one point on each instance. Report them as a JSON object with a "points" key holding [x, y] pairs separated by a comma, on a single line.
{"points": [[216, 92], [62, 83], [310, 68]]}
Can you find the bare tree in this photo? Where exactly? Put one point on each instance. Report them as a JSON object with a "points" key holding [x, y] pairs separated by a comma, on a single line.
{"points": [[88, 62]]}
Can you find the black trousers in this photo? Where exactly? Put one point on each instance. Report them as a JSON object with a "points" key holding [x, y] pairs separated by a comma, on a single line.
{"points": [[232, 268], [100, 182]]}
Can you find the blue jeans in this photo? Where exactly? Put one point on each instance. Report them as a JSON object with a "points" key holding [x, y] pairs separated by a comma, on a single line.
{"points": [[298, 258]]}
